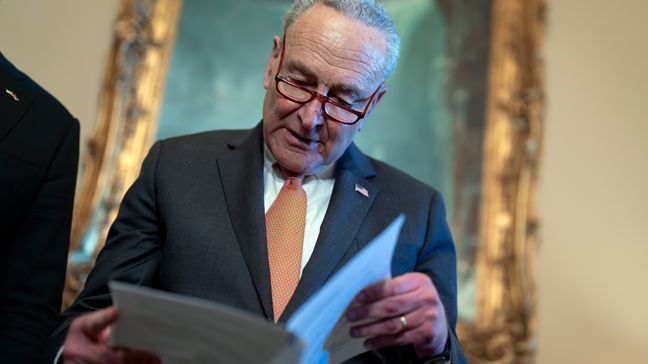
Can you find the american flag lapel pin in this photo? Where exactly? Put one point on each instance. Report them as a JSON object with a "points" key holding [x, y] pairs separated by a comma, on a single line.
{"points": [[12, 94], [361, 190]]}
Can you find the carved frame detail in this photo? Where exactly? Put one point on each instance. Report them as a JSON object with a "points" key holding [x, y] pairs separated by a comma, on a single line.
{"points": [[505, 327], [129, 104]]}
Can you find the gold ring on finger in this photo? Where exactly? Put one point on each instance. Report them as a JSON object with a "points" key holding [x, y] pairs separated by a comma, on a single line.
{"points": [[403, 322]]}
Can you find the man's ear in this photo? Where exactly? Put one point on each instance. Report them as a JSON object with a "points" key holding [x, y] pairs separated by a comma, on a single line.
{"points": [[272, 61]]}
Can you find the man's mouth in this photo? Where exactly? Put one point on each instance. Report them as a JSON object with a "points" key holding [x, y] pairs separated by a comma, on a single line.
{"points": [[301, 138]]}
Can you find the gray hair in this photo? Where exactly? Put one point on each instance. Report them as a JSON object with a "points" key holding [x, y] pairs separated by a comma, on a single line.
{"points": [[368, 12]]}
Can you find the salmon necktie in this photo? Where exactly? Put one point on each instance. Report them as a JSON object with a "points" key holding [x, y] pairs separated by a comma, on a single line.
{"points": [[285, 222]]}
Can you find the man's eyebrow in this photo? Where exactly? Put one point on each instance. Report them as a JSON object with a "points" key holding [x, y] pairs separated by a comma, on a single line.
{"points": [[293, 66], [298, 67]]}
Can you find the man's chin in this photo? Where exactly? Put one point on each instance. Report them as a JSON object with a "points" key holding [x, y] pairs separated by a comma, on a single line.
{"points": [[298, 162], [297, 169]]}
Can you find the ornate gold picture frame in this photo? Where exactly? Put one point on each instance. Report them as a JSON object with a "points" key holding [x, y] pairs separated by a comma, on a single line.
{"points": [[504, 327]]}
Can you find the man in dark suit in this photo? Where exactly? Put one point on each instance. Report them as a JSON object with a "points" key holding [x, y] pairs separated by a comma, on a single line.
{"points": [[39, 153], [200, 218]]}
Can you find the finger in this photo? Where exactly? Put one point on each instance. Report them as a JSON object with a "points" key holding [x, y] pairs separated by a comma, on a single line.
{"points": [[426, 340], [423, 334], [140, 357], [101, 354], [91, 354], [390, 287], [395, 325], [388, 307], [83, 343], [104, 335], [94, 323], [108, 355]]}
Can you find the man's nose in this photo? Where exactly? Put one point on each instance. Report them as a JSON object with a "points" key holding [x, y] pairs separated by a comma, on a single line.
{"points": [[312, 113]]}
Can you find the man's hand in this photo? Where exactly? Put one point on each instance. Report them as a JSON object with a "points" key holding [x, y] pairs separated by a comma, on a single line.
{"points": [[87, 338], [405, 310]]}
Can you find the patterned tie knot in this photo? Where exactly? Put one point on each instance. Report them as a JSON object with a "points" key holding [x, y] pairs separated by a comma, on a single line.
{"points": [[293, 183]]}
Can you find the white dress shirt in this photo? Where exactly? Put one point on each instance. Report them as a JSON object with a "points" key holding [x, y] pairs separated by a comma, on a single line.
{"points": [[318, 187]]}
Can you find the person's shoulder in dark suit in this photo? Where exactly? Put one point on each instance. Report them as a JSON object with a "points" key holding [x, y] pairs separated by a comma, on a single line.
{"points": [[39, 153]]}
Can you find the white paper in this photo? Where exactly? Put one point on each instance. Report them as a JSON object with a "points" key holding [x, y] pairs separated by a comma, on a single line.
{"points": [[323, 312], [181, 329]]}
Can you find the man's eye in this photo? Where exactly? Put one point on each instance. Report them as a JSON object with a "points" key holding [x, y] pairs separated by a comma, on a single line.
{"points": [[299, 81], [342, 102]]}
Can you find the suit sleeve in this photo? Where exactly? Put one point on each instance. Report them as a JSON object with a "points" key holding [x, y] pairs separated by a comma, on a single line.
{"points": [[36, 262], [131, 253], [438, 260]]}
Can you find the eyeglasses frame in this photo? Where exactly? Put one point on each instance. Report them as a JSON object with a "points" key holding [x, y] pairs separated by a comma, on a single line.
{"points": [[322, 98]]}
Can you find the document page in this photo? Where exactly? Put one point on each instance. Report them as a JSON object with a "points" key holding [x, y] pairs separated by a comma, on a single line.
{"points": [[181, 329], [322, 313]]}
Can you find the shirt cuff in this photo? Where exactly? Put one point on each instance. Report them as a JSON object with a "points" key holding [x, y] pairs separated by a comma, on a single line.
{"points": [[58, 359], [443, 357]]}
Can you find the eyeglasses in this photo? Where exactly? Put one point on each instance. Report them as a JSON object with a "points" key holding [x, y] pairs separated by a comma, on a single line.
{"points": [[333, 109]]}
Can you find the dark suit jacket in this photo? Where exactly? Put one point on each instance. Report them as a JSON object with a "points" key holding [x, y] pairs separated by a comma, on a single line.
{"points": [[39, 153], [193, 223]]}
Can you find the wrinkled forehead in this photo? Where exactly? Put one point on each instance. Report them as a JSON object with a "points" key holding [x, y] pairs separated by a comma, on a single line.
{"points": [[323, 37]]}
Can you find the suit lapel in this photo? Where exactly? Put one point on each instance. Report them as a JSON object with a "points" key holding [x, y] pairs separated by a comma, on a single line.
{"points": [[344, 216], [242, 176], [11, 109]]}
